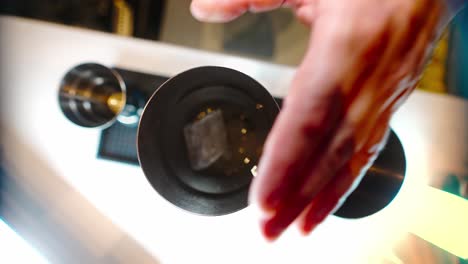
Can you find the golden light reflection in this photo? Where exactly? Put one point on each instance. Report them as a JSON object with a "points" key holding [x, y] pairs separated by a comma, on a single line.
{"points": [[201, 115], [116, 102]]}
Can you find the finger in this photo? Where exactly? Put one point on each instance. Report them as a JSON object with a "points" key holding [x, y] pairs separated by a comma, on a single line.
{"points": [[408, 24], [402, 75], [336, 155], [284, 187], [393, 84], [337, 190], [227, 10], [378, 77], [305, 12], [345, 140], [397, 101], [310, 113], [393, 72], [432, 33], [325, 202], [423, 18], [274, 226], [333, 157], [370, 46], [361, 87], [296, 140]]}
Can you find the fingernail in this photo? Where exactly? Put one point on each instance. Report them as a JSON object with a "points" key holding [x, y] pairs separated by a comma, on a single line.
{"points": [[256, 8], [214, 17]]}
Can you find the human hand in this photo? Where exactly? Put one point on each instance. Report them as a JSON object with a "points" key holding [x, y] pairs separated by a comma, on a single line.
{"points": [[364, 59]]}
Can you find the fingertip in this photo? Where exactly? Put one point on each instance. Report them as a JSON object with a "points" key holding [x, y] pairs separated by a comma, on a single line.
{"points": [[306, 14], [271, 231], [196, 11], [310, 220], [201, 13], [307, 228]]}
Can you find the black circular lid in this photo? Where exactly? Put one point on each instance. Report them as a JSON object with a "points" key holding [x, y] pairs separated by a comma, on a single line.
{"points": [[381, 183], [248, 112]]}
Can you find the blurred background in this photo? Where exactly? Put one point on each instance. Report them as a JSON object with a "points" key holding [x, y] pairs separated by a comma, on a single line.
{"points": [[274, 36]]}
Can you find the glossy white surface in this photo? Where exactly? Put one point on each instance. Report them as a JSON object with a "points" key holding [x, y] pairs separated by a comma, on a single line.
{"points": [[11, 243], [35, 56]]}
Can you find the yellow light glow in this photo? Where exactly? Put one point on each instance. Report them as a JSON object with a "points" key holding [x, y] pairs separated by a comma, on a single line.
{"points": [[443, 219], [201, 115], [116, 102]]}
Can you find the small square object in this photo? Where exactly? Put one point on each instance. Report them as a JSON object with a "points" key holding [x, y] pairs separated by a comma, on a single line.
{"points": [[206, 140]]}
